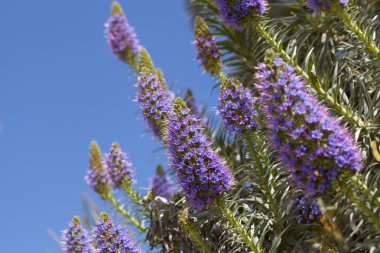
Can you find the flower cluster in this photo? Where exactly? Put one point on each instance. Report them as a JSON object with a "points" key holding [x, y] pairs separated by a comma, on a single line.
{"points": [[154, 100], [326, 5], [161, 184], [237, 13], [195, 108], [307, 212], [118, 166], [207, 51], [75, 238], [236, 105], [201, 172], [311, 143], [97, 177], [110, 237], [121, 36]]}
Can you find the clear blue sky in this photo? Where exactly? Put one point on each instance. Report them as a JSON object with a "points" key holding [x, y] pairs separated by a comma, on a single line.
{"points": [[60, 87]]}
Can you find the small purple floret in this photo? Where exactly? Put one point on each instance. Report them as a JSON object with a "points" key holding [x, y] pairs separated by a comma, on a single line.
{"points": [[306, 212]]}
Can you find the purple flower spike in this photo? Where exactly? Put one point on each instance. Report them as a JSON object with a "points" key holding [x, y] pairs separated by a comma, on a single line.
{"points": [[236, 106], [75, 239], [97, 177], [118, 166], [110, 237], [201, 172], [237, 13], [195, 108], [326, 5], [121, 36], [207, 51], [311, 143], [307, 212], [160, 184]]}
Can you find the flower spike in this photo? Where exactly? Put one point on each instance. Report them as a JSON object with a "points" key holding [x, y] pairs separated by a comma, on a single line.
{"points": [[75, 239]]}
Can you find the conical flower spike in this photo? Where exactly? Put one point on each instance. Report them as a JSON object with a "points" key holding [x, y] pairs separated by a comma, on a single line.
{"points": [[161, 184], [75, 239]]}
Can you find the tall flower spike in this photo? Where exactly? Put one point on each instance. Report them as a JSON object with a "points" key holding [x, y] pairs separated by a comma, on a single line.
{"points": [[237, 13], [326, 5], [160, 184], [97, 176], [152, 96], [118, 166], [75, 238], [110, 237], [201, 172], [306, 212], [208, 53], [195, 108], [311, 143], [121, 36], [236, 105]]}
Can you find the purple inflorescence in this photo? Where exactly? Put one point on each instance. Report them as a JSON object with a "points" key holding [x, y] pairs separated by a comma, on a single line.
{"points": [[306, 212], [207, 51], [118, 166], [237, 13], [195, 108], [201, 172], [122, 38], [236, 105], [160, 184], [154, 100], [311, 143], [110, 237], [75, 238], [326, 5]]}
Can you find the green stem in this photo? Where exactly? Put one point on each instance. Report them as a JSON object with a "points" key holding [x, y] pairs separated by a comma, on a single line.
{"points": [[364, 188], [263, 178], [193, 232], [238, 227], [316, 83], [121, 210], [360, 204], [362, 35], [135, 197]]}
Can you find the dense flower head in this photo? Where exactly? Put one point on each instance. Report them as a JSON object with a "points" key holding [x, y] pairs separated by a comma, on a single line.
{"points": [[201, 172], [311, 143], [110, 237], [207, 51], [154, 100], [118, 166], [236, 105], [195, 108], [97, 177], [326, 5], [237, 13], [160, 184], [121, 36], [307, 212], [75, 238]]}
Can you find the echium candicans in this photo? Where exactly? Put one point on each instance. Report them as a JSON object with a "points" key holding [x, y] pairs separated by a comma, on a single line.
{"points": [[236, 106], [118, 166], [307, 212], [311, 143], [110, 237], [326, 5], [237, 13], [202, 174], [195, 107], [75, 239], [153, 96], [207, 51], [121, 36], [97, 176], [160, 184]]}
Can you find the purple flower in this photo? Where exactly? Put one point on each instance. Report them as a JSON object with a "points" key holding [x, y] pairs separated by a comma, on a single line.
{"points": [[207, 51], [236, 106], [121, 36], [195, 108], [118, 166], [97, 177], [154, 101], [314, 151], [306, 212], [201, 172], [236, 13], [161, 184], [110, 237], [75, 238], [326, 5]]}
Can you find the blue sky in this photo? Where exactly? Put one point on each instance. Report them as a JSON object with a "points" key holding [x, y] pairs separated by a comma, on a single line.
{"points": [[60, 87]]}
